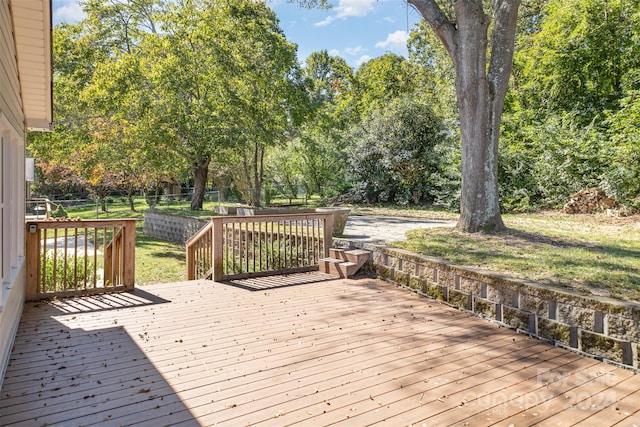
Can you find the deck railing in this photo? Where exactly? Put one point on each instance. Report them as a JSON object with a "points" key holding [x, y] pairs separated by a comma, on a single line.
{"points": [[39, 207], [68, 258], [248, 246]]}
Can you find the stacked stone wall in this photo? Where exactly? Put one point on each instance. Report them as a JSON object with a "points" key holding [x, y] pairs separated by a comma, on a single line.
{"points": [[604, 328], [171, 227]]}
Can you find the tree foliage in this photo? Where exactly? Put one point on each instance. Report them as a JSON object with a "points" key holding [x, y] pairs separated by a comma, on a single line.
{"points": [[154, 88], [583, 59], [572, 110], [392, 155], [150, 92]]}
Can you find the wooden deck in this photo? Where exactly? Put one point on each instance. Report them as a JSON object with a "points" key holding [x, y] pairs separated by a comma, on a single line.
{"points": [[290, 350]]}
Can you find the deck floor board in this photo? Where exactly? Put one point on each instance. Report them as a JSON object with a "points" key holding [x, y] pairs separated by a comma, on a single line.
{"points": [[302, 349]]}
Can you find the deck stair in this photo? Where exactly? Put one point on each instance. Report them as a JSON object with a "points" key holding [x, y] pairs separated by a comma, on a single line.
{"points": [[344, 263]]}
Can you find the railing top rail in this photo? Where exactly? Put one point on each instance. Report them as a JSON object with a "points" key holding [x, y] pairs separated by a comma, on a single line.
{"points": [[204, 230], [49, 224], [270, 218]]}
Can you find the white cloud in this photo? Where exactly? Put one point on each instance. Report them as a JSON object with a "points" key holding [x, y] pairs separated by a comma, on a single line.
{"points": [[354, 51], [362, 60], [335, 52], [67, 11], [394, 41], [348, 8]]}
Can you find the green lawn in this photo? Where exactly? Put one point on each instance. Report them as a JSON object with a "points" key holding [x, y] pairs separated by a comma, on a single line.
{"points": [[590, 253], [157, 261]]}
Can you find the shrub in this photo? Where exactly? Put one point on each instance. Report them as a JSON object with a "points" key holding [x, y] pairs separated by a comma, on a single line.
{"points": [[393, 157], [59, 212], [66, 274]]}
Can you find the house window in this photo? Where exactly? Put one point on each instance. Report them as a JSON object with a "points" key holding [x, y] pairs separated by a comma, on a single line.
{"points": [[12, 192]]}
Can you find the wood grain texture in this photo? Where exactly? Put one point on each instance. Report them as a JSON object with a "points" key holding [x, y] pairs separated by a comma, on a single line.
{"points": [[302, 349]]}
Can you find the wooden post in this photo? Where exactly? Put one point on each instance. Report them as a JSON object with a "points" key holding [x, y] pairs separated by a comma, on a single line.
{"points": [[108, 265], [328, 233], [216, 248], [129, 254], [32, 248], [118, 260], [191, 262]]}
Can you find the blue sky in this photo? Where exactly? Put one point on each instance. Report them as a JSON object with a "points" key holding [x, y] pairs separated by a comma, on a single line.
{"points": [[356, 30]]}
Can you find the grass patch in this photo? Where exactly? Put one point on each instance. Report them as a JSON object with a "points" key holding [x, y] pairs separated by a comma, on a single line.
{"points": [[158, 261], [590, 253], [407, 212]]}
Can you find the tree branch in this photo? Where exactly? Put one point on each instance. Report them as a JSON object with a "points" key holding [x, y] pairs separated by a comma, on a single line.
{"points": [[436, 18]]}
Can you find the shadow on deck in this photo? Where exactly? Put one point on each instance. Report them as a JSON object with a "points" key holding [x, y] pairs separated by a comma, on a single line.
{"points": [[301, 349]]}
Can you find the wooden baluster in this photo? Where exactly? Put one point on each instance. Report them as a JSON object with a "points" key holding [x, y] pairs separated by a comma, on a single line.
{"points": [[43, 276], [246, 246], [75, 258], [296, 261], [86, 254], [317, 240], [233, 246], [95, 257], [279, 250], [114, 254], [253, 245], [64, 264], [307, 251], [109, 252], [260, 243], [55, 259], [291, 243], [225, 248]]}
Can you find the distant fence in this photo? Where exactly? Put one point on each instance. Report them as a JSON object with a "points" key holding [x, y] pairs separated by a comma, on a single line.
{"points": [[272, 195], [117, 201], [39, 207]]}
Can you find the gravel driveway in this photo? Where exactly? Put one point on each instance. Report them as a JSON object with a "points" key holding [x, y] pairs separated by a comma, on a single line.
{"points": [[378, 229]]}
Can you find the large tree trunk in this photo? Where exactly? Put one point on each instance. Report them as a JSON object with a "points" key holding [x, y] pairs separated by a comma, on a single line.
{"points": [[480, 95], [258, 173], [479, 202], [200, 171]]}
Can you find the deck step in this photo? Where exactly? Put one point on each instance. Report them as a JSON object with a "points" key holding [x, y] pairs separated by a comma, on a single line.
{"points": [[344, 263], [356, 255], [338, 267], [337, 254]]}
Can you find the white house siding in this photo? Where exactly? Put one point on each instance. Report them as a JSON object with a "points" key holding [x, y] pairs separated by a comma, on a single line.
{"points": [[12, 134], [10, 100]]}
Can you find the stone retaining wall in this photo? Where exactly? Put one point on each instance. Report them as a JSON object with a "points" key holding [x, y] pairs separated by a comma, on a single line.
{"points": [[171, 227], [605, 328]]}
